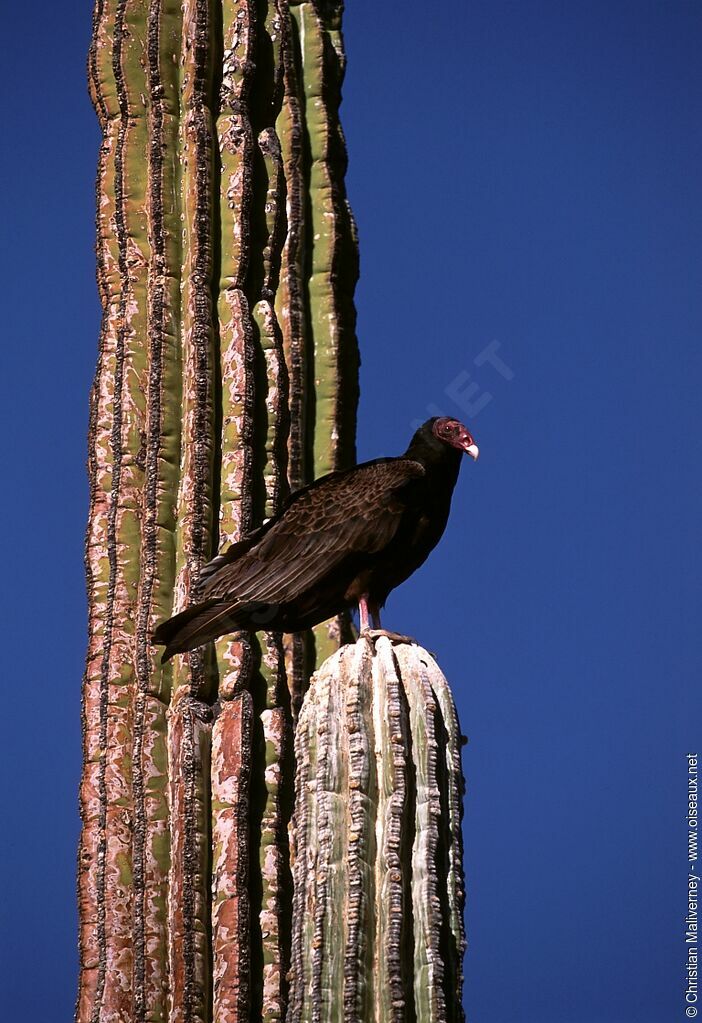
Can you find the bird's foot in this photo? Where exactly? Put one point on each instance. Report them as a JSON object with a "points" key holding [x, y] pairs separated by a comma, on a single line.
{"points": [[394, 637]]}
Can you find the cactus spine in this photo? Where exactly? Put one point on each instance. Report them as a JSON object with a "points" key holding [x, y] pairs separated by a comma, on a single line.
{"points": [[227, 375]]}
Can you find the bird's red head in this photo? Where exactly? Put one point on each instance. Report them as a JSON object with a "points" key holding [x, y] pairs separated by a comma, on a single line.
{"points": [[450, 431]]}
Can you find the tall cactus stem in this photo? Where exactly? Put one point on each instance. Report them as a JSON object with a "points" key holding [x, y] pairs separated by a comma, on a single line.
{"points": [[227, 377]]}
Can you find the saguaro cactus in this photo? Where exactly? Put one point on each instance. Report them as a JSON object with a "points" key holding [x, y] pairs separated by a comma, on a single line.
{"points": [[227, 375], [378, 922]]}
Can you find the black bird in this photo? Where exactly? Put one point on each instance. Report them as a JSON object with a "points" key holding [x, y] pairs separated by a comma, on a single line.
{"points": [[348, 538]]}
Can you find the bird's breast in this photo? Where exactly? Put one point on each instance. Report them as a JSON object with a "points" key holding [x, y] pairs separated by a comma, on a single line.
{"points": [[360, 585]]}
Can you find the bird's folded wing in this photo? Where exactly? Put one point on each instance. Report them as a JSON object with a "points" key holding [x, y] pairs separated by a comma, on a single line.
{"points": [[232, 553], [347, 515]]}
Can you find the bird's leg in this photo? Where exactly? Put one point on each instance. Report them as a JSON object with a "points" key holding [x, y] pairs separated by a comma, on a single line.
{"points": [[375, 615], [371, 612], [363, 613]]}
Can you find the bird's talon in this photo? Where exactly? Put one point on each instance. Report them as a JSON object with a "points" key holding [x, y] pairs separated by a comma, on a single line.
{"points": [[394, 637]]}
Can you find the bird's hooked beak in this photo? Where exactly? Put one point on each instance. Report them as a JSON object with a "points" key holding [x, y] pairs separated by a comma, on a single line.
{"points": [[467, 444]]}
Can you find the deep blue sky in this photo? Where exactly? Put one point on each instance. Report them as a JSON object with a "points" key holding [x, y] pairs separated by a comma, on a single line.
{"points": [[525, 174]]}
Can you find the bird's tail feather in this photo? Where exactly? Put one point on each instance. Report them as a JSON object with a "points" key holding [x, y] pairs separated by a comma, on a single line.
{"points": [[199, 624]]}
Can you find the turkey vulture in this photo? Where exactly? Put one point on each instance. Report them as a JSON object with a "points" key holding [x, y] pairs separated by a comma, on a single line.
{"points": [[348, 538]]}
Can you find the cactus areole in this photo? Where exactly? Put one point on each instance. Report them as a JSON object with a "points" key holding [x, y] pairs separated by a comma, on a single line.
{"points": [[350, 537]]}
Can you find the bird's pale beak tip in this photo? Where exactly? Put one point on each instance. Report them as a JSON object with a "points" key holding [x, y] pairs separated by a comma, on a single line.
{"points": [[473, 451]]}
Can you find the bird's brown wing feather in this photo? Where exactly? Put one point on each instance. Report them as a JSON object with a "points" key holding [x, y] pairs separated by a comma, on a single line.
{"points": [[232, 553], [348, 513], [345, 515]]}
